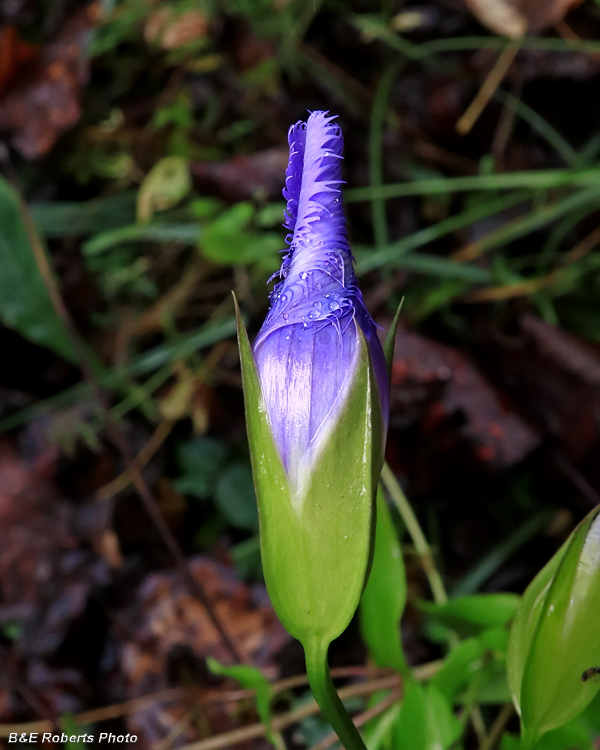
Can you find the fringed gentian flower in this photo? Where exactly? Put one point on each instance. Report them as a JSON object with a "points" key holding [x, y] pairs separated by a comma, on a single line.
{"points": [[316, 397], [306, 351]]}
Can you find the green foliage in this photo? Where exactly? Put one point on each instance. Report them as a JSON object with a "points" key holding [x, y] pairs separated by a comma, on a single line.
{"points": [[554, 642], [25, 303], [470, 615], [382, 602], [235, 498], [207, 471], [200, 462], [426, 720], [230, 240], [251, 678], [165, 185]]}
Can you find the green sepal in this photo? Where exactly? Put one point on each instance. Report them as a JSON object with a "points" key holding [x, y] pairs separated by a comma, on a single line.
{"points": [[524, 625], [390, 340], [316, 540], [554, 641]]}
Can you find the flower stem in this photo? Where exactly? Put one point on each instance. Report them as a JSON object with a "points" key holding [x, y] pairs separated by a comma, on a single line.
{"points": [[319, 679], [416, 534]]}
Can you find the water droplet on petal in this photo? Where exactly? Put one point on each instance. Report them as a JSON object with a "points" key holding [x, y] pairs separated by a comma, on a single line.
{"points": [[334, 306], [303, 275]]}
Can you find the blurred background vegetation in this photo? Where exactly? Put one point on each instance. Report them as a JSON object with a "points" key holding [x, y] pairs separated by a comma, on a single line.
{"points": [[143, 156]]}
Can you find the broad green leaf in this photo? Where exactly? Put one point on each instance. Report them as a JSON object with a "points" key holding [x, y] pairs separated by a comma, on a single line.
{"points": [[458, 668], [525, 623], [234, 496], [426, 720], [556, 686], [510, 742], [591, 716], [378, 732], [167, 183], [383, 600], [472, 614], [229, 240], [25, 305], [568, 737]]}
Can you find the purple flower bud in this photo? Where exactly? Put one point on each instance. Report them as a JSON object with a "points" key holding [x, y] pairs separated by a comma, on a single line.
{"points": [[307, 349]]}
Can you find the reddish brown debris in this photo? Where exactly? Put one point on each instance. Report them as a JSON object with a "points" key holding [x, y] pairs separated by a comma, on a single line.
{"points": [[433, 384], [166, 632], [47, 103], [243, 177], [558, 377]]}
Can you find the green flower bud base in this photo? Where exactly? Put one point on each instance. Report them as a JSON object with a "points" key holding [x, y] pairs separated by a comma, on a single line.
{"points": [[316, 532]]}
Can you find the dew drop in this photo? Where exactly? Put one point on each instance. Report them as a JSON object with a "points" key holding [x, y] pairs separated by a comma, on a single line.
{"points": [[313, 314], [286, 316], [316, 304], [303, 275], [334, 306]]}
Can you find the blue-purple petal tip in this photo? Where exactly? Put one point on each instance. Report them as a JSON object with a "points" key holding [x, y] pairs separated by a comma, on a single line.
{"points": [[306, 349]]}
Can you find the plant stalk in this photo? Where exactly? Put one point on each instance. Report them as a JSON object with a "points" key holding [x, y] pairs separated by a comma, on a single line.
{"points": [[321, 684]]}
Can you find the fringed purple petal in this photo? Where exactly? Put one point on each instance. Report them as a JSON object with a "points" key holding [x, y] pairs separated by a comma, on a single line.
{"points": [[293, 175], [308, 342]]}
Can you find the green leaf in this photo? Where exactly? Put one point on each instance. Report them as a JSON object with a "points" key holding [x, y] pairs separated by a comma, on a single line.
{"points": [[510, 742], [235, 498], [68, 219], [228, 240], [568, 737], [458, 668], [167, 183], [565, 643], [384, 598], [472, 614], [200, 461], [426, 721], [25, 305], [250, 678]]}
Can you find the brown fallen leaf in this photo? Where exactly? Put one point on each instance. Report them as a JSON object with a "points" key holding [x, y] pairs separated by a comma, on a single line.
{"points": [[557, 376], [15, 57], [513, 18], [243, 177], [166, 633], [437, 388], [47, 103], [47, 572], [169, 29]]}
